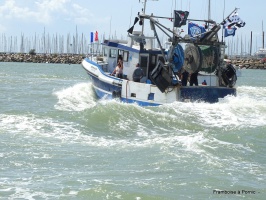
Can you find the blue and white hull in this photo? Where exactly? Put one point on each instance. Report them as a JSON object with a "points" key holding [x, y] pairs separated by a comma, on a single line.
{"points": [[145, 94], [103, 84]]}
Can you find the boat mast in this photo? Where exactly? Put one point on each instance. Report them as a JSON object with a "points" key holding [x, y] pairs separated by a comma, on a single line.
{"points": [[262, 36], [144, 9], [250, 50], [209, 11]]}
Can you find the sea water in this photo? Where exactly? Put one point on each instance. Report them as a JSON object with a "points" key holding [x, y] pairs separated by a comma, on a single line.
{"points": [[57, 141]]}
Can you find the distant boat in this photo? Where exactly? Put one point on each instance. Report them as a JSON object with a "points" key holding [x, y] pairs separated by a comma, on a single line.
{"points": [[261, 53], [161, 82]]}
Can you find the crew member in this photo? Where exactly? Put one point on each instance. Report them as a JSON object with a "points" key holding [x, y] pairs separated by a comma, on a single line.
{"points": [[138, 73]]}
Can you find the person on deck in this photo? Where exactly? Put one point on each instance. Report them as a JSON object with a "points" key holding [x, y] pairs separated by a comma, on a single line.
{"points": [[184, 77], [194, 79], [118, 71], [138, 73]]}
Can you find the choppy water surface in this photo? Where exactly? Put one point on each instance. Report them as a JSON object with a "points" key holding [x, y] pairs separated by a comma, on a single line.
{"points": [[59, 142]]}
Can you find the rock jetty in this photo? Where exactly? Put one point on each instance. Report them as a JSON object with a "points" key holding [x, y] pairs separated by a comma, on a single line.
{"points": [[42, 58], [251, 63]]}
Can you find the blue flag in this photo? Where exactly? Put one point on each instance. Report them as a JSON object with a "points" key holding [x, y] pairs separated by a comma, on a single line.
{"points": [[229, 32], [195, 30], [91, 37]]}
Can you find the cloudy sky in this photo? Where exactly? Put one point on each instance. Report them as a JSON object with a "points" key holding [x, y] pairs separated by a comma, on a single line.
{"points": [[115, 16]]}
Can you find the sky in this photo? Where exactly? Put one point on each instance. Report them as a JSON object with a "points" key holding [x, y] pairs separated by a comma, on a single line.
{"points": [[114, 17]]}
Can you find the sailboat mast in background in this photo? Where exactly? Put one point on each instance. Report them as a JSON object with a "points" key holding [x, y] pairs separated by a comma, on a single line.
{"points": [[262, 36], [209, 11]]}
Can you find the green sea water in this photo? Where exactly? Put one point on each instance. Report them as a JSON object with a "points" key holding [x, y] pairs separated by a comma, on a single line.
{"points": [[57, 141]]}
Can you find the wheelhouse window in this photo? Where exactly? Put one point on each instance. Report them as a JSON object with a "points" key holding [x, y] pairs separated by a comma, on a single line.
{"points": [[144, 64], [120, 52], [113, 53], [153, 59], [125, 56], [105, 52]]}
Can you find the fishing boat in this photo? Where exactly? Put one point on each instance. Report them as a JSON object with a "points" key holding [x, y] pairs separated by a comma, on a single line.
{"points": [[199, 54]]}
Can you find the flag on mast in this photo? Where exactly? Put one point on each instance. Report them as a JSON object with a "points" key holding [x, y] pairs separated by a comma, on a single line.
{"points": [[229, 32], [196, 30], [92, 37], [180, 18], [96, 36], [233, 21]]}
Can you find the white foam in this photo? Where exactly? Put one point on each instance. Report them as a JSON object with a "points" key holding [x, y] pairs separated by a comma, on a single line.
{"points": [[253, 92], [171, 142], [230, 112], [129, 125], [67, 132], [32, 125], [247, 109], [76, 98], [24, 193]]}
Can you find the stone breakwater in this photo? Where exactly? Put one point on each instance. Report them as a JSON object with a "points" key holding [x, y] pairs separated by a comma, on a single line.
{"points": [[251, 63], [42, 58]]}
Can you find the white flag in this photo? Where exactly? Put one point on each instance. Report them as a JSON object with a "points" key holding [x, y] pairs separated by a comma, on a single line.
{"points": [[234, 21]]}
